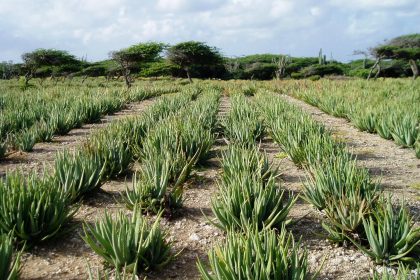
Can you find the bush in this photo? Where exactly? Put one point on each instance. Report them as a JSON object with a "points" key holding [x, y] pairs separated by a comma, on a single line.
{"points": [[360, 73], [296, 75], [322, 70], [314, 77]]}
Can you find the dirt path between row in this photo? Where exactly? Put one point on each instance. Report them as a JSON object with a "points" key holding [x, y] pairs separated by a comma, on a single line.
{"points": [[191, 233], [397, 169], [44, 153]]}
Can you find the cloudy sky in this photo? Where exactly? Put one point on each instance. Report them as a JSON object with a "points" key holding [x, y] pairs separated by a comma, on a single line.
{"points": [[238, 27]]}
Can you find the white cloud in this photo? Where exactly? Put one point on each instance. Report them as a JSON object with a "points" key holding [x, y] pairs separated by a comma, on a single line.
{"points": [[298, 27]]}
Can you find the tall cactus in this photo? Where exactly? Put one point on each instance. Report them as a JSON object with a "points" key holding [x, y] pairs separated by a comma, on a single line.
{"points": [[281, 64], [320, 57]]}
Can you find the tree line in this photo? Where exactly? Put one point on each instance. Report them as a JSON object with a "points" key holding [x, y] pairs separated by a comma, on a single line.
{"points": [[395, 58]]}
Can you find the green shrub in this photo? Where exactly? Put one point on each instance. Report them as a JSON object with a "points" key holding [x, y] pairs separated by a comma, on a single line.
{"points": [[360, 73], [296, 75], [129, 243], [314, 77], [324, 69]]}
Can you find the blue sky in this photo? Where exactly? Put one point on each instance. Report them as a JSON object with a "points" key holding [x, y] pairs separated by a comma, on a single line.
{"points": [[93, 28]]}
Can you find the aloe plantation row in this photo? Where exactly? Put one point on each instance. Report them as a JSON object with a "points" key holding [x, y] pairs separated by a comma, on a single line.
{"points": [[251, 208], [355, 210], [37, 115], [37, 207], [168, 153], [387, 108], [160, 148]]}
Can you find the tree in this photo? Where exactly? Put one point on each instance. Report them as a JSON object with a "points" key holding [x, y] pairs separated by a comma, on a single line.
{"points": [[135, 55], [188, 54], [406, 47], [7, 70], [32, 61]]}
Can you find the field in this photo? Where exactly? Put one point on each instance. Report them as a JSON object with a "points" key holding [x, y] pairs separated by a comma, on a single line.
{"points": [[292, 179]]}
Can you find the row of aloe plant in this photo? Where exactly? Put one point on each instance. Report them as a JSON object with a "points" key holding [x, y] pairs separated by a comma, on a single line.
{"points": [[166, 156], [390, 109], [169, 152], [252, 209], [354, 209], [110, 152], [49, 113], [37, 207]]}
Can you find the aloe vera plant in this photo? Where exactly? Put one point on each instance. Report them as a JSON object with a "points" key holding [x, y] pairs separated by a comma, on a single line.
{"points": [[345, 216], [248, 160], [43, 131], [364, 119], [247, 195], [243, 124], [257, 255], [391, 235], [404, 129], [9, 261], [112, 151], [249, 200], [78, 173], [26, 140], [403, 273], [129, 243], [152, 191], [336, 178], [33, 208]]}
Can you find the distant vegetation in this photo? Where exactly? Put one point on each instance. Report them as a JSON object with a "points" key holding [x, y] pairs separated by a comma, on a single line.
{"points": [[398, 57]]}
